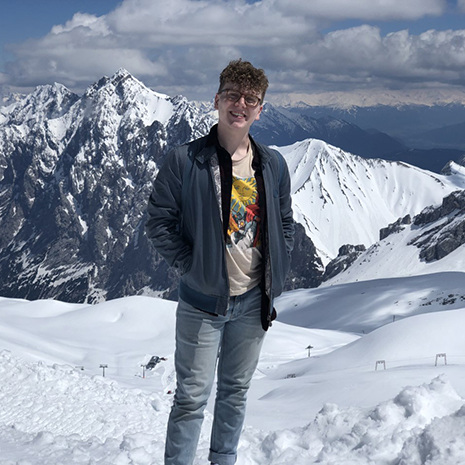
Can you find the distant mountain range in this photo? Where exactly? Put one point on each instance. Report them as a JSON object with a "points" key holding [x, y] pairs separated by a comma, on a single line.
{"points": [[279, 126], [425, 136], [446, 136], [76, 173], [404, 122]]}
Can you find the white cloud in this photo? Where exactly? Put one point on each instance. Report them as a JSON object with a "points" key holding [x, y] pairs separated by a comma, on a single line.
{"points": [[91, 23], [179, 46], [180, 41], [364, 9], [189, 22], [361, 55]]}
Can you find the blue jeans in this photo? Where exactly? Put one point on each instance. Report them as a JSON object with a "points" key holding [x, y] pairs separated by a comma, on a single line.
{"points": [[202, 340]]}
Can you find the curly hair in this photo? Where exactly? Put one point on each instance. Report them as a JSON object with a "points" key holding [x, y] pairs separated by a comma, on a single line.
{"points": [[245, 76]]}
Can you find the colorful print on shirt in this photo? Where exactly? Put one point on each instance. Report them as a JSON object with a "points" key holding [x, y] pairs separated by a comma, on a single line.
{"points": [[244, 219]]}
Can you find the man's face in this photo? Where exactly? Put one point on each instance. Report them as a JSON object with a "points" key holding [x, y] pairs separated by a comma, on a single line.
{"points": [[238, 107]]}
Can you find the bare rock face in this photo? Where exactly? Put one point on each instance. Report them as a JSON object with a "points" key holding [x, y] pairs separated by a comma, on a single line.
{"points": [[306, 266], [394, 227], [346, 256], [447, 231]]}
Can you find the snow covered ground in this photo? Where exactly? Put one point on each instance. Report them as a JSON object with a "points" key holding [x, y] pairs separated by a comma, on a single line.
{"points": [[384, 383]]}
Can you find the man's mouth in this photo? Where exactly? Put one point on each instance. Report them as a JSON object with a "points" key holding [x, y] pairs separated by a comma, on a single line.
{"points": [[238, 115]]}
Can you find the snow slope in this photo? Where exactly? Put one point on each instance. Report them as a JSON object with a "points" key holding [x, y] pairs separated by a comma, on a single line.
{"points": [[333, 407], [397, 256], [341, 198], [363, 306]]}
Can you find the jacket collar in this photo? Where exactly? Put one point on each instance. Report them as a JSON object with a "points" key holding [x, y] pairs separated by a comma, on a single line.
{"points": [[210, 144]]}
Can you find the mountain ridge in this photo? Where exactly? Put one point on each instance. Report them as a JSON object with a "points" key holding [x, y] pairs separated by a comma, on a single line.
{"points": [[61, 173], [341, 198], [76, 173], [431, 242]]}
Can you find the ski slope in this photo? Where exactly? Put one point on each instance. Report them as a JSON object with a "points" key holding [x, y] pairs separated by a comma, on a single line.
{"points": [[336, 406]]}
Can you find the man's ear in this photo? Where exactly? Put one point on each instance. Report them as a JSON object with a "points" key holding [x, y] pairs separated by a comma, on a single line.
{"points": [[216, 101], [258, 114]]}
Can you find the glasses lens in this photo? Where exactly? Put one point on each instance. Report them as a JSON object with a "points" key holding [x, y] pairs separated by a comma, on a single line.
{"points": [[234, 96], [251, 100]]}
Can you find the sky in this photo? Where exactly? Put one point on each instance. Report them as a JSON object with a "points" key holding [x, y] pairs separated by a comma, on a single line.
{"points": [[180, 46]]}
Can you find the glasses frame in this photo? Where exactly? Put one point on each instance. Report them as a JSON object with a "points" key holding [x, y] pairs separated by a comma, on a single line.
{"points": [[241, 94]]}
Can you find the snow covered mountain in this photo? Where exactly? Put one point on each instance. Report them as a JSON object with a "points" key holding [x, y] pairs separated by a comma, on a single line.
{"points": [[429, 243], [342, 199], [75, 176], [76, 173]]}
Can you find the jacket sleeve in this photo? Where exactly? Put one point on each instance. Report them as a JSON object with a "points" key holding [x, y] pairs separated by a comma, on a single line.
{"points": [[286, 206], [165, 215]]}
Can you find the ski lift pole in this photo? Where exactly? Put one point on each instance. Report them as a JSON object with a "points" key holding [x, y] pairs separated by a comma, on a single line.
{"points": [[308, 348]]}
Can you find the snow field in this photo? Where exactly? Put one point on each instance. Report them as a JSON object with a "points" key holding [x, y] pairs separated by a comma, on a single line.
{"points": [[62, 416], [330, 408]]}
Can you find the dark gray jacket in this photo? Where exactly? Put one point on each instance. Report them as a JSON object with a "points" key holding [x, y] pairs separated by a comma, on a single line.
{"points": [[185, 224]]}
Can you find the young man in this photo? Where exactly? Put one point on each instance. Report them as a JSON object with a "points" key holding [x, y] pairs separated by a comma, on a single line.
{"points": [[220, 212]]}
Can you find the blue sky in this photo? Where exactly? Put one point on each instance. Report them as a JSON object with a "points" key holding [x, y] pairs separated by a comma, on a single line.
{"points": [[24, 19], [315, 47]]}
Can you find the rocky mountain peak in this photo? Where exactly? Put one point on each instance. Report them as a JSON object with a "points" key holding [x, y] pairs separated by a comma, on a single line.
{"points": [[45, 103], [76, 175]]}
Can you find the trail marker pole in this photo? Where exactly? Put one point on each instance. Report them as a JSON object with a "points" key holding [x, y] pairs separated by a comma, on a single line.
{"points": [[103, 366], [308, 348], [380, 362]]}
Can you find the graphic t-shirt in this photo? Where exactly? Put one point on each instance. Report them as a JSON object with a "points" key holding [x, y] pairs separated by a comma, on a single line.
{"points": [[243, 245]]}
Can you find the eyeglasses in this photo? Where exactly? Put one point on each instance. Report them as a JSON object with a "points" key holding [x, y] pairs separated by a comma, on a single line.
{"points": [[234, 96]]}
